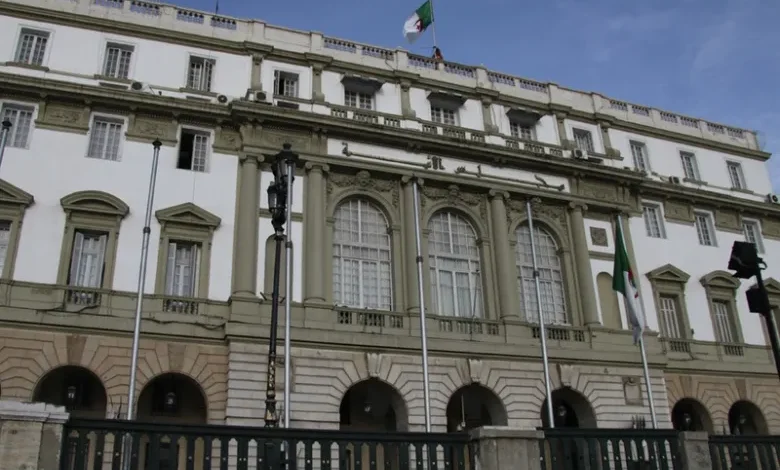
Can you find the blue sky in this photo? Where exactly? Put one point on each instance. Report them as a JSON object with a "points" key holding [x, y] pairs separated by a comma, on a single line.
{"points": [[712, 59]]}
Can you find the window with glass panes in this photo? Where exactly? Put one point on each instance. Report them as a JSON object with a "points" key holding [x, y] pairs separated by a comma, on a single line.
{"points": [[31, 48], [723, 322], [583, 139], [550, 276], [105, 138], [200, 73], [456, 285], [639, 152], [671, 323], [5, 239], [87, 260], [752, 232], [362, 275], [651, 213], [519, 131], [357, 99], [704, 229], [690, 167], [21, 124], [181, 273], [286, 84], [735, 175], [117, 61], [444, 116]]}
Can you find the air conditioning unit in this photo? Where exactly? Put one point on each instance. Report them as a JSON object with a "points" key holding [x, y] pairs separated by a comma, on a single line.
{"points": [[579, 153], [222, 99], [137, 86], [675, 180], [257, 96], [773, 198]]}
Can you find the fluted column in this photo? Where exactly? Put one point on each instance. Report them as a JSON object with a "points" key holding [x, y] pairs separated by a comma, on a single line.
{"points": [[315, 227], [505, 259], [590, 312], [247, 221], [412, 302]]}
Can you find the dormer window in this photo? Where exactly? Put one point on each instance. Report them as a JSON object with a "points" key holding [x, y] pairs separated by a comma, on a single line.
{"points": [[442, 115], [445, 107], [522, 123], [521, 131], [358, 99], [360, 92]]}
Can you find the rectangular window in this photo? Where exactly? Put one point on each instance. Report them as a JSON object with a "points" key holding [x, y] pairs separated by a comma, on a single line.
{"points": [[32, 47], [752, 232], [356, 99], [105, 138], [117, 61], [200, 73], [705, 229], [671, 326], [21, 121], [723, 322], [653, 224], [690, 167], [639, 152], [181, 273], [583, 139], [519, 131], [285, 84], [193, 150], [87, 260], [5, 238], [735, 175], [444, 115]]}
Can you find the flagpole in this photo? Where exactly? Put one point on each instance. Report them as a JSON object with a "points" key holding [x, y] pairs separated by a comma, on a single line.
{"points": [[542, 329], [421, 293], [433, 25], [642, 350]]}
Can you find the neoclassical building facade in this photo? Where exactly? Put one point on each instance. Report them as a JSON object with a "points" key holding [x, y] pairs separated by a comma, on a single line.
{"points": [[88, 85]]}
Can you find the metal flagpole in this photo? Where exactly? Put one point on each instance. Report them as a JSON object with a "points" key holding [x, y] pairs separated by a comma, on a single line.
{"points": [[433, 25], [542, 329], [421, 293], [4, 137], [140, 296], [642, 351], [288, 290]]}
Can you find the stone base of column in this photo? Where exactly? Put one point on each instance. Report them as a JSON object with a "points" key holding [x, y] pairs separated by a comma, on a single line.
{"points": [[505, 448], [31, 435]]}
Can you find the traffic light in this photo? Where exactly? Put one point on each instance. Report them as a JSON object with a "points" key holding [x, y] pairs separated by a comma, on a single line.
{"points": [[758, 300], [744, 260]]}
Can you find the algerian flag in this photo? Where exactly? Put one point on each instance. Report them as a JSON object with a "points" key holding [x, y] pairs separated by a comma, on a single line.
{"points": [[623, 282], [419, 21]]}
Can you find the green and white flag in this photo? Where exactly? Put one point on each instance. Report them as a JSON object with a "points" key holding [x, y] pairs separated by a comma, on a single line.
{"points": [[419, 21], [623, 281]]}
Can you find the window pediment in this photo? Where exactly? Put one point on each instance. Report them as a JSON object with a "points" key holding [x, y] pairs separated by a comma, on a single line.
{"points": [[188, 214], [720, 279], [362, 84], [10, 194], [96, 202], [446, 100], [668, 273]]}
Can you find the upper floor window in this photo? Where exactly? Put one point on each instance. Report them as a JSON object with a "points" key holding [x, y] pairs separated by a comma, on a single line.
{"points": [[550, 276], [443, 115], [181, 273], [639, 152], [723, 319], [200, 73], [358, 99], [690, 166], [735, 175], [362, 276], [105, 138], [87, 260], [117, 60], [21, 120], [31, 48], [286, 84], [456, 283], [752, 232], [5, 240], [672, 325], [583, 139], [705, 229], [193, 150], [653, 221], [520, 131]]}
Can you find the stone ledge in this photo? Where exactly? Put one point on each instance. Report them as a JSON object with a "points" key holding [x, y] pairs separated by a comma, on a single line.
{"points": [[35, 412], [503, 432]]}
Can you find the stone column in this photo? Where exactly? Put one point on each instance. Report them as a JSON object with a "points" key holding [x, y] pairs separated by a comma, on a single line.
{"points": [[695, 451], [487, 116], [504, 448], [412, 302], [315, 226], [317, 95], [406, 102], [256, 82], [590, 313], [247, 221], [31, 435], [505, 260], [559, 120], [604, 128]]}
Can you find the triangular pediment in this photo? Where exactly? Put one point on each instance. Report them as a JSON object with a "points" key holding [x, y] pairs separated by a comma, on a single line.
{"points": [[723, 279], [97, 202], [10, 194], [188, 214], [668, 273], [772, 287]]}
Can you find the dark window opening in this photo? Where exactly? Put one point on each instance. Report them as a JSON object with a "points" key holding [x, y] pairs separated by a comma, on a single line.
{"points": [[186, 147]]}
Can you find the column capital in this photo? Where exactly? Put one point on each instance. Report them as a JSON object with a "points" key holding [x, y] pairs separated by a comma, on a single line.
{"points": [[317, 166], [578, 206], [407, 179], [244, 157], [560, 115], [502, 195]]}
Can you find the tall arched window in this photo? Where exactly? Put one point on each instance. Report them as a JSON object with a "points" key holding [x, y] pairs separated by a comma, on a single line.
{"points": [[361, 256], [456, 286], [550, 276]]}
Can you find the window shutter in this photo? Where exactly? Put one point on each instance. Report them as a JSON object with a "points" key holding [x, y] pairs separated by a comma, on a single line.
{"points": [[170, 271], [99, 260], [195, 264], [75, 259]]}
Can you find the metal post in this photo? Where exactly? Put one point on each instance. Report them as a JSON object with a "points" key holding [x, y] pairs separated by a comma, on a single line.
{"points": [[288, 291], [271, 417], [140, 295], [7, 124], [421, 293], [542, 329], [771, 323]]}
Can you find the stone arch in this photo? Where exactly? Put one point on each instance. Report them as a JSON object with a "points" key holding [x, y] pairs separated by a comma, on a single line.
{"points": [[570, 408], [373, 405], [745, 418], [462, 210], [556, 231], [173, 397], [473, 406], [373, 197], [689, 414], [97, 202], [75, 387], [608, 301]]}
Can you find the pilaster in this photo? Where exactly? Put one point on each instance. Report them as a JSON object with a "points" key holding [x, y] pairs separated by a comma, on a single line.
{"points": [[487, 116], [590, 313], [560, 121], [314, 226], [317, 95], [412, 302], [505, 261], [247, 221], [256, 82], [604, 128], [406, 102]]}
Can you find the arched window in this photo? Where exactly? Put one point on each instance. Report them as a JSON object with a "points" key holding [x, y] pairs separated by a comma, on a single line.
{"points": [[456, 286], [361, 256], [550, 276]]}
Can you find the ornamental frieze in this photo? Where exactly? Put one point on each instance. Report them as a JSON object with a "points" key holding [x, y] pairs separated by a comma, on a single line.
{"points": [[142, 128], [63, 117], [771, 228], [678, 211], [227, 140], [727, 219], [255, 135], [454, 196], [364, 181], [555, 214]]}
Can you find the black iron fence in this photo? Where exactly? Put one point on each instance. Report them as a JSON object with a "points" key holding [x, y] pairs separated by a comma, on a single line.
{"points": [[745, 452], [610, 449], [103, 444]]}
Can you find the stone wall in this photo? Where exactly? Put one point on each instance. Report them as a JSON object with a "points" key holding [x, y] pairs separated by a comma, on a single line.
{"points": [[26, 429]]}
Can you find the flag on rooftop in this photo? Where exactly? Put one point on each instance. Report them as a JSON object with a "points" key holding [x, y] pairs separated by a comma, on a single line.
{"points": [[623, 281], [419, 21]]}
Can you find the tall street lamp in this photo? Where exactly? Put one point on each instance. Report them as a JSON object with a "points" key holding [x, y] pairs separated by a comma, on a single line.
{"points": [[6, 129], [279, 204]]}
